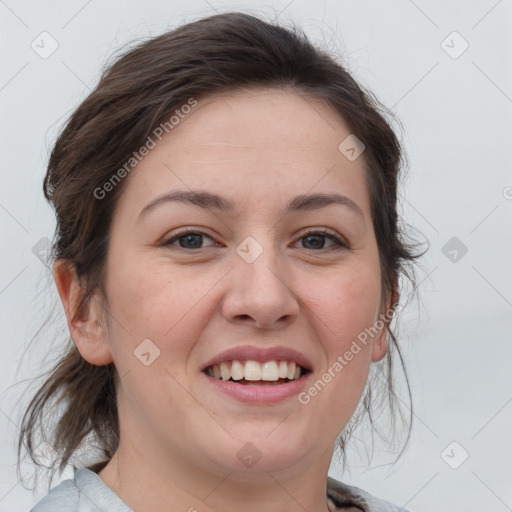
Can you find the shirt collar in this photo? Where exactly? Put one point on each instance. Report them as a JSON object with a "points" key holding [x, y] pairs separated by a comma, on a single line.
{"points": [[96, 492]]}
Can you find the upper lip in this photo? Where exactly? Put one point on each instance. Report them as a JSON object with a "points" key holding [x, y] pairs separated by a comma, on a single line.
{"points": [[247, 352]]}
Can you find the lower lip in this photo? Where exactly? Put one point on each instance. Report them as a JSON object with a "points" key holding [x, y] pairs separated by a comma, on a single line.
{"points": [[259, 393]]}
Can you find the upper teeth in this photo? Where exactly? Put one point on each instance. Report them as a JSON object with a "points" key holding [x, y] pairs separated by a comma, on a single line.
{"points": [[254, 370]]}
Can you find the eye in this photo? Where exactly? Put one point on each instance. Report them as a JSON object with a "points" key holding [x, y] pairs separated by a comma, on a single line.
{"points": [[187, 239], [190, 239], [316, 240]]}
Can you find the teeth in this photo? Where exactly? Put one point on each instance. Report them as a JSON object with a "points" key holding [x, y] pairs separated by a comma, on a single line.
{"points": [[217, 372], [291, 370], [237, 370], [225, 372], [252, 370], [269, 371]]}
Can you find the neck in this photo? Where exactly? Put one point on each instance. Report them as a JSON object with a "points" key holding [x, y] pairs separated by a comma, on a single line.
{"points": [[144, 481]]}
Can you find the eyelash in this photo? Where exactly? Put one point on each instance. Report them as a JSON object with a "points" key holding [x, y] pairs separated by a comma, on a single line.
{"points": [[342, 245]]}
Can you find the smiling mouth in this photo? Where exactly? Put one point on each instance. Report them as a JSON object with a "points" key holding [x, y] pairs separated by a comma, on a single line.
{"points": [[268, 373]]}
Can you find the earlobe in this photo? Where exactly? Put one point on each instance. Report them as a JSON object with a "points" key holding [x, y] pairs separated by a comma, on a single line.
{"points": [[380, 345], [380, 342], [87, 327]]}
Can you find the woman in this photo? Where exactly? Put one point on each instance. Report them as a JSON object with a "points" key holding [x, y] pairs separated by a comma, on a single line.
{"points": [[227, 255]]}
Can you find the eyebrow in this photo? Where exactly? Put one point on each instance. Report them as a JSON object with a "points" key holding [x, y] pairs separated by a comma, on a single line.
{"points": [[211, 201]]}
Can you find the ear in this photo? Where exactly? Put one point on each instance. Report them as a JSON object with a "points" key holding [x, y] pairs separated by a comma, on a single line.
{"points": [[380, 341], [89, 329]]}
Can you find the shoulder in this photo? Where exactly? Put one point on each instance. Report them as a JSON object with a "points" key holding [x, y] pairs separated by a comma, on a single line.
{"points": [[62, 498], [85, 493], [343, 495]]}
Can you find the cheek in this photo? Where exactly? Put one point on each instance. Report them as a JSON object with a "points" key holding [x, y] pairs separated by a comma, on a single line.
{"points": [[344, 304], [343, 308], [151, 302], [171, 312]]}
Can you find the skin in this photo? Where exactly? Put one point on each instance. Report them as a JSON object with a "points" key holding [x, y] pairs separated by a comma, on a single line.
{"points": [[180, 437]]}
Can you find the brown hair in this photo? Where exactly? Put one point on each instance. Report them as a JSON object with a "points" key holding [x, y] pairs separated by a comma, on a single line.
{"points": [[135, 94]]}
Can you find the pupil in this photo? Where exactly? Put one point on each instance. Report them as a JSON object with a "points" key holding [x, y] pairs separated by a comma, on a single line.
{"points": [[188, 238], [317, 238]]}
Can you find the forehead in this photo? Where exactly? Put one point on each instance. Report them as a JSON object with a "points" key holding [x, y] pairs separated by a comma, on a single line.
{"points": [[262, 118], [262, 144]]}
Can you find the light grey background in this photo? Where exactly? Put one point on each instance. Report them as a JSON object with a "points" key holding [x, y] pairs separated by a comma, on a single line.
{"points": [[456, 109]]}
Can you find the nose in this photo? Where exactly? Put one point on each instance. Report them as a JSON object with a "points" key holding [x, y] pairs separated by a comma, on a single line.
{"points": [[259, 292]]}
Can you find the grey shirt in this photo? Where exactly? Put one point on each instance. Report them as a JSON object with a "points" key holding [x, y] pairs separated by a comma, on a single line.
{"points": [[87, 492]]}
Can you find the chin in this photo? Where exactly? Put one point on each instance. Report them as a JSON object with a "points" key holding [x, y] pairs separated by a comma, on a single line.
{"points": [[262, 451]]}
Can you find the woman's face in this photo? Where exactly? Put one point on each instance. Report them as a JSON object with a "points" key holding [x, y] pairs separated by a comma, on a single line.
{"points": [[260, 277]]}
